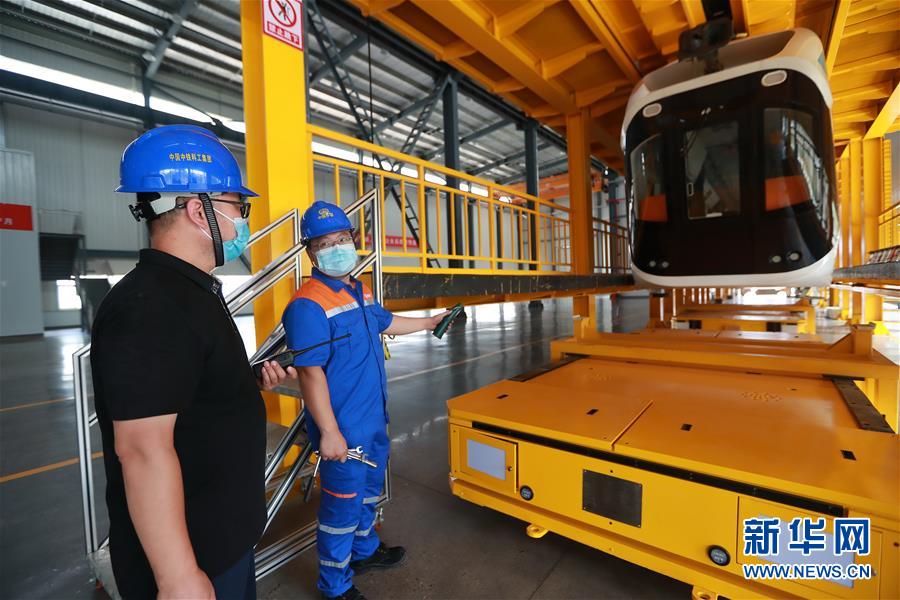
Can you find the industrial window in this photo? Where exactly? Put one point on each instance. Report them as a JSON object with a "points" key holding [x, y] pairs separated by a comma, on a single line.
{"points": [[67, 295], [713, 171], [795, 173], [648, 181]]}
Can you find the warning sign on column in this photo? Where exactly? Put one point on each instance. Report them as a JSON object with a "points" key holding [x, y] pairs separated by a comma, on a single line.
{"points": [[283, 19]]}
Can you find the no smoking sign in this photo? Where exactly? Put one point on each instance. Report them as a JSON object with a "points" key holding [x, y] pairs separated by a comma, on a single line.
{"points": [[283, 19]]}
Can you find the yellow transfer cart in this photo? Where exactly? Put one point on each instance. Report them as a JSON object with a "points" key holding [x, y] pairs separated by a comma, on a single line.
{"points": [[798, 317], [655, 447]]}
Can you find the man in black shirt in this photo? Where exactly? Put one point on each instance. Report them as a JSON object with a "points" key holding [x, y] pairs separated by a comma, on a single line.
{"points": [[180, 413]]}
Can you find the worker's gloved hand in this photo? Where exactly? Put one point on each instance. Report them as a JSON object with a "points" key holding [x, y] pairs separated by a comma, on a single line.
{"points": [[436, 320], [333, 446], [273, 375]]}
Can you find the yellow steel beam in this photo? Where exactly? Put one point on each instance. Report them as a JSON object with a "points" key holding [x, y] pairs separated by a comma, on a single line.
{"points": [[693, 11], [844, 197], [589, 96], [873, 91], [859, 115], [886, 118], [513, 20], [592, 13], [873, 185], [472, 24], [581, 216], [856, 257], [510, 84], [559, 64], [849, 130], [456, 49], [376, 7], [880, 24], [881, 62], [278, 161], [835, 33], [608, 106]]}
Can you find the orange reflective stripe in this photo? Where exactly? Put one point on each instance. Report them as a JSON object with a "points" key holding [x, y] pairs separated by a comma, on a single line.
{"points": [[322, 295], [336, 495]]}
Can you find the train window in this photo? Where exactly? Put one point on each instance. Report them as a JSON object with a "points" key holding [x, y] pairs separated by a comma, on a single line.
{"points": [[648, 180], [712, 171], [795, 172]]}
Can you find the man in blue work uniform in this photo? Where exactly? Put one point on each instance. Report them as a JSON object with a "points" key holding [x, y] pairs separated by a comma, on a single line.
{"points": [[345, 392]]}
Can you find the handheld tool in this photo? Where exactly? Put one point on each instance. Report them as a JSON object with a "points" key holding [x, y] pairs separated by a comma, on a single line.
{"points": [[286, 359], [445, 323], [352, 454]]}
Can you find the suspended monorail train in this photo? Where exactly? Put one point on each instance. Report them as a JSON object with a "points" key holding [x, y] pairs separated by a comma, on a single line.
{"points": [[730, 167]]}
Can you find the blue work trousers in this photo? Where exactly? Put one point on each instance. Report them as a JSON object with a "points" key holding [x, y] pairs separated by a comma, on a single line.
{"points": [[347, 507]]}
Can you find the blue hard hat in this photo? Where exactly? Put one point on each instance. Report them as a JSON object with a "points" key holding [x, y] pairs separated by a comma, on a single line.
{"points": [[179, 158], [322, 218]]}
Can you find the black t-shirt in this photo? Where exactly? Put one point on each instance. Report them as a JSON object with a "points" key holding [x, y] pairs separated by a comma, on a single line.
{"points": [[164, 343]]}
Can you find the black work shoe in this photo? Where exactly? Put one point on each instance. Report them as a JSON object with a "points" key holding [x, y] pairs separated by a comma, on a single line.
{"points": [[351, 594], [382, 558]]}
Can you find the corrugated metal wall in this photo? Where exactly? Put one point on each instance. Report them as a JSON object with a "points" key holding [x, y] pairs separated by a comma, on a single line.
{"points": [[77, 166], [77, 163]]}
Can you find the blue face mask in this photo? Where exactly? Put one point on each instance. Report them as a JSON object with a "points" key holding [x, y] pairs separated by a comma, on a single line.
{"points": [[235, 247], [338, 260]]}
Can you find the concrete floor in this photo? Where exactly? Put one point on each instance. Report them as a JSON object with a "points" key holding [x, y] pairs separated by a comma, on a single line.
{"points": [[456, 549]]}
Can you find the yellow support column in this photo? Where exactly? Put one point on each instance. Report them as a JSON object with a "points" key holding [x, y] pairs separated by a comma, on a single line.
{"points": [[278, 159], [856, 201], [581, 216], [844, 198], [873, 184]]}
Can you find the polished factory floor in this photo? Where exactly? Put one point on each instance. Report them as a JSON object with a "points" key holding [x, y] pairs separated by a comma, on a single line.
{"points": [[456, 549]]}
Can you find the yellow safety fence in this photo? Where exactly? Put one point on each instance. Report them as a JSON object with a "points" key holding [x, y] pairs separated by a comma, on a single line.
{"points": [[439, 220]]}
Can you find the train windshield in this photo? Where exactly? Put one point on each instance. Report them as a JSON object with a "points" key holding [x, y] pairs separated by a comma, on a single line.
{"points": [[712, 171], [795, 172], [648, 180]]}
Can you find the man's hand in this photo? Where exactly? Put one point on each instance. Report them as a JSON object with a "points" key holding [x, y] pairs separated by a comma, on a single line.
{"points": [[193, 585], [273, 375], [434, 321], [333, 446]]}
